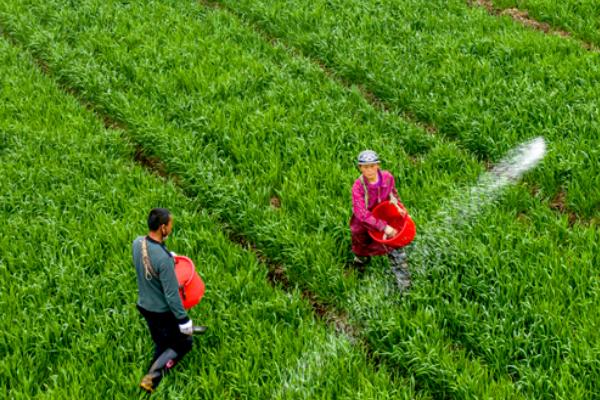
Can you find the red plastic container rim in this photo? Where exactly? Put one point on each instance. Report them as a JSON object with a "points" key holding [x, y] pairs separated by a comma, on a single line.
{"points": [[184, 275], [405, 225]]}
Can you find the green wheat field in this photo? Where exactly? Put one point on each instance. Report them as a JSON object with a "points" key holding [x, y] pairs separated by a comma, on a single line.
{"points": [[243, 117]]}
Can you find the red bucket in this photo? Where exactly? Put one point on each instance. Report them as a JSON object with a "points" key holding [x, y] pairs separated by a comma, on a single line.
{"points": [[191, 286], [404, 225]]}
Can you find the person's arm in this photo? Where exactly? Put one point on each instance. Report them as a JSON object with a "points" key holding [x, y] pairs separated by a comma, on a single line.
{"points": [[361, 212], [394, 197], [394, 190], [170, 286]]}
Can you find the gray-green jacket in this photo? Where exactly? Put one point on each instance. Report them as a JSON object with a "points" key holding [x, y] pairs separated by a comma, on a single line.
{"points": [[158, 293]]}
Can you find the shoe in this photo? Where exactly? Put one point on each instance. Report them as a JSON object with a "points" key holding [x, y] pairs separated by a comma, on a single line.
{"points": [[159, 367], [361, 260], [199, 330], [147, 383]]}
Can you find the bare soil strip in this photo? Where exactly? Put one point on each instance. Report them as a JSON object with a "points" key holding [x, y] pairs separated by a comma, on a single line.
{"points": [[276, 272], [368, 95], [523, 17], [143, 156], [380, 104]]}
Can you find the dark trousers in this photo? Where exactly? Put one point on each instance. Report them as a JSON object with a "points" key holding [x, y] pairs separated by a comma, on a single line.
{"points": [[165, 333]]}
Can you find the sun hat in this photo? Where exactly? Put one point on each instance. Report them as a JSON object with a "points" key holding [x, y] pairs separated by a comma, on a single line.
{"points": [[367, 157]]}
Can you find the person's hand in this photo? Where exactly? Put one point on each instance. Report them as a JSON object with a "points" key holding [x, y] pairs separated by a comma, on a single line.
{"points": [[402, 212], [389, 232], [187, 328], [394, 200], [173, 254]]}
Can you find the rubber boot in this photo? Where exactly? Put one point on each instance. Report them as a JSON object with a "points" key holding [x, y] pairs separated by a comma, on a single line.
{"points": [[159, 368], [399, 267]]}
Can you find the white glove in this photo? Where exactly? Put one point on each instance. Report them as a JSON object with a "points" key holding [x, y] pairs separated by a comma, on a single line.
{"points": [[187, 328], [173, 254], [389, 232]]}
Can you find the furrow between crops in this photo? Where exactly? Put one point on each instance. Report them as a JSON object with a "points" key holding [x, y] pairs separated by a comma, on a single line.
{"points": [[448, 374], [389, 108], [370, 96], [143, 156], [278, 278], [316, 362], [557, 203], [524, 18], [266, 142], [276, 275]]}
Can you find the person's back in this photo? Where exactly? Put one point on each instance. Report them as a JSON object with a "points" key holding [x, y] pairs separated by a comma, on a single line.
{"points": [[157, 286], [158, 298]]}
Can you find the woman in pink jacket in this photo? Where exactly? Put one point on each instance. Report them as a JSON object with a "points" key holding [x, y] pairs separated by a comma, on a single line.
{"points": [[371, 188]]}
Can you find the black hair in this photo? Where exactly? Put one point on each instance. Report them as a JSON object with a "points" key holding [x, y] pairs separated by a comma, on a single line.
{"points": [[158, 217]]}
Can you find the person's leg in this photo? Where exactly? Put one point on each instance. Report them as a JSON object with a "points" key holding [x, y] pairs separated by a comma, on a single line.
{"points": [[359, 248], [158, 330], [163, 329], [176, 340], [163, 363], [183, 346], [399, 268], [364, 247]]}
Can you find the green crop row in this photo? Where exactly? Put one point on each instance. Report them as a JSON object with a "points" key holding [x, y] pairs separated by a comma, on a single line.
{"points": [[240, 122], [176, 86], [578, 17], [72, 202], [485, 81]]}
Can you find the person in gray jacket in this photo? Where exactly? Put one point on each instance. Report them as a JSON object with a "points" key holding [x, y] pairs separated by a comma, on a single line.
{"points": [[158, 298]]}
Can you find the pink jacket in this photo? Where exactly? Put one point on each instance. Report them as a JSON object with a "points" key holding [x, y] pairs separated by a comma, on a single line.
{"points": [[362, 219]]}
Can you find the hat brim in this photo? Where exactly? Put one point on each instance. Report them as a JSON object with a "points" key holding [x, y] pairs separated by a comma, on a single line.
{"points": [[369, 163]]}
